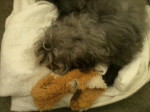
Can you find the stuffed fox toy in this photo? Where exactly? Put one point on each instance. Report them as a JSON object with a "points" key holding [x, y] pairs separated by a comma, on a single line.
{"points": [[86, 88]]}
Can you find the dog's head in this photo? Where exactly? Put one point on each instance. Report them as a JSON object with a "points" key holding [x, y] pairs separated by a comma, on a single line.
{"points": [[102, 34], [68, 45]]}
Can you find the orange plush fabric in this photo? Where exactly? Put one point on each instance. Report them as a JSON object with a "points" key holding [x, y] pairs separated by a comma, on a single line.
{"points": [[84, 99], [51, 89]]}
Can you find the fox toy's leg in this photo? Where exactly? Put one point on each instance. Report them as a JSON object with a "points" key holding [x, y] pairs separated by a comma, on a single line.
{"points": [[84, 99]]}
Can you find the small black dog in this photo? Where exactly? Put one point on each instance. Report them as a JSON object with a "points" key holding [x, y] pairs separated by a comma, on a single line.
{"points": [[91, 32]]}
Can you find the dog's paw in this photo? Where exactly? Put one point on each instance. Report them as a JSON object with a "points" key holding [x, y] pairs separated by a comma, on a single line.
{"points": [[97, 82]]}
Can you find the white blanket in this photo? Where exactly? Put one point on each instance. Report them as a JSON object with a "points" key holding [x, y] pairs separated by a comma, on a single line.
{"points": [[19, 71]]}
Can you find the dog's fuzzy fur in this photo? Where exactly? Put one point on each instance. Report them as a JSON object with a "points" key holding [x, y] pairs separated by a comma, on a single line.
{"points": [[89, 32]]}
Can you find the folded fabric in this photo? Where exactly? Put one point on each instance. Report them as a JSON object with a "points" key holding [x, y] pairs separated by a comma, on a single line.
{"points": [[19, 71]]}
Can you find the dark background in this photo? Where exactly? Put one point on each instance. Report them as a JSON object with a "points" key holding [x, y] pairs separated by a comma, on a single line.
{"points": [[139, 102]]}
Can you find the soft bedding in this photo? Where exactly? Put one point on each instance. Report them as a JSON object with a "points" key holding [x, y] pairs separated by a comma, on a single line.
{"points": [[19, 71]]}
